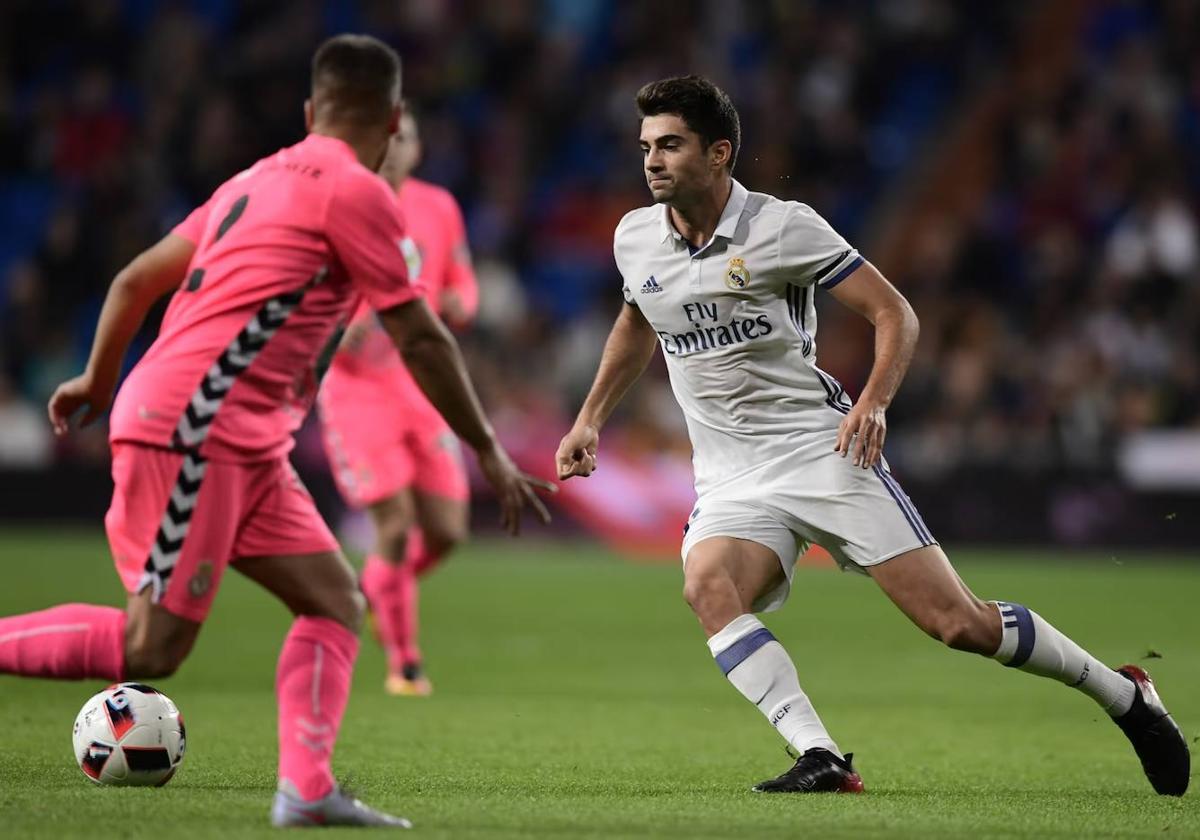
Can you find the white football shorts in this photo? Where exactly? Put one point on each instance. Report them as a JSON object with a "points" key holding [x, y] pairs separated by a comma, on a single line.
{"points": [[814, 495]]}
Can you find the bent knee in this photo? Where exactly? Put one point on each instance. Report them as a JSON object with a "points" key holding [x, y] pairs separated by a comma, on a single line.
{"points": [[345, 605], [392, 543], [702, 589], [443, 541]]}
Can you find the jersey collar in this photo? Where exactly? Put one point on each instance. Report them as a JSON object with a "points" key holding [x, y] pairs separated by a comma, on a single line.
{"points": [[726, 225]]}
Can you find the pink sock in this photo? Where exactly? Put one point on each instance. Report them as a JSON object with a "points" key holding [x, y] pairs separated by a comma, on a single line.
{"points": [[418, 560], [67, 642], [381, 585], [312, 685], [404, 616], [417, 553]]}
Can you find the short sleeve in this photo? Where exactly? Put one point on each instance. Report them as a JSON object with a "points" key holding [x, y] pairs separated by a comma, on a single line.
{"points": [[626, 292], [811, 251], [192, 228], [366, 233]]}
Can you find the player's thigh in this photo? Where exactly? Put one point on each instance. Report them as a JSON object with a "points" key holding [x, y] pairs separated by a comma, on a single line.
{"points": [[321, 584], [364, 444], [744, 543], [171, 526], [285, 546], [927, 589], [440, 482], [749, 568]]}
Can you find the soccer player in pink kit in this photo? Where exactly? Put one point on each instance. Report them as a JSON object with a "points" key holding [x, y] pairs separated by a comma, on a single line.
{"points": [[262, 274], [391, 452]]}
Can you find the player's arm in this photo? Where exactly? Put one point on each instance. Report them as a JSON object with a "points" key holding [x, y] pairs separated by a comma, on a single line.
{"points": [[436, 363], [460, 298], [628, 350], [868, 293], [152, 274]]}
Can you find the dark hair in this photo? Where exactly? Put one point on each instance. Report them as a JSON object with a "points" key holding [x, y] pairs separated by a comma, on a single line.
{"points": [[704, 107], [357, 77]]}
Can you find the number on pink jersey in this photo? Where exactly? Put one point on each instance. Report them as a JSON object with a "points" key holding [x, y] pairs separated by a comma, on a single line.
{"points": [[235, 213]]}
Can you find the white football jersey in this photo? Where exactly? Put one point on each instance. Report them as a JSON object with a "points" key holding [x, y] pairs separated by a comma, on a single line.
{"points": [[737, 325]]}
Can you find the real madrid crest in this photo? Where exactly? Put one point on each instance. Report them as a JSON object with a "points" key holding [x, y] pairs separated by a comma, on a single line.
{"points": [[737, 276]]}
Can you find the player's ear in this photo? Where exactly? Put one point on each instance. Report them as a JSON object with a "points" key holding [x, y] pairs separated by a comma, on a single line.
{"points": [[394, 119], [308, 114], [719, 153]]}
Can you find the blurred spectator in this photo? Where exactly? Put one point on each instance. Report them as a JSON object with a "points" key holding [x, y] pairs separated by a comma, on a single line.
{"points": [[1059, 319], [25, 437]]}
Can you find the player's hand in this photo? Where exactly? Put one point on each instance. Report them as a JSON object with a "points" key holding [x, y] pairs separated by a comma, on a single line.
{"points": [[577, 452], [454, 312], [863, 429], [81, 392], [513, 487]]}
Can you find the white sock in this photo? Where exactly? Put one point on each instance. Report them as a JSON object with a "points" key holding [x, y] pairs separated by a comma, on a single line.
{"points": [[761, 670], [1032, 644]]}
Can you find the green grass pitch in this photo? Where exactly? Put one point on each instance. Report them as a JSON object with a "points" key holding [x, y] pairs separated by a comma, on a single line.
{"points": [[575, 698]]}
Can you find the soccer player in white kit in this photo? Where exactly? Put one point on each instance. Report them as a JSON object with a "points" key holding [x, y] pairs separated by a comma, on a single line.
{"points": [[723, 280]]}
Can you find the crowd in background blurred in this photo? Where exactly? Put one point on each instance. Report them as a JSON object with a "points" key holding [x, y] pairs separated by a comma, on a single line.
{"points": [[1062, 315]]}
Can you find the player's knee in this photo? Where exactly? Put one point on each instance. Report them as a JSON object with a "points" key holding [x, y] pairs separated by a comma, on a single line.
{"points": [[349, 608], [444, 539], [704, 590], [392, 541]]}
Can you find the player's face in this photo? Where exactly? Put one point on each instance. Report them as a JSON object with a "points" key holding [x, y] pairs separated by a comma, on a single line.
{"points": [[404, 151], [675, 160]]}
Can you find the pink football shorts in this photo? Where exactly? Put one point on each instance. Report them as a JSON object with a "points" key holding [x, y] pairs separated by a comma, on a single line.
{"points": [[377, 450], [177, 520]]}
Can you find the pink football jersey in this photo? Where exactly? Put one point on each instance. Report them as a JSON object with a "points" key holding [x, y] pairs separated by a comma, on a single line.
{"points": [[284, 253], [369, 368]]}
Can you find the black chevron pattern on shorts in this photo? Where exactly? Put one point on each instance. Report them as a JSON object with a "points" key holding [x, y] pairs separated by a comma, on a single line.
{"points": [[173, 527]]}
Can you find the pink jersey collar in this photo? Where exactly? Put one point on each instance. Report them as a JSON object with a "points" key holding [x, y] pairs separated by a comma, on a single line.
{"points": [[333, 144]]}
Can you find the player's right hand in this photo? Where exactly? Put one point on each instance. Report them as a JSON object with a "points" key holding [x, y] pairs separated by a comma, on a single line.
{"points": [[577, 452], [81, 392], [514, 488]]}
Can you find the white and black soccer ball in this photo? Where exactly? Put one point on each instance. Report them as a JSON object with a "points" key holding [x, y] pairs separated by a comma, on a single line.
{"points": [[129, 734]]}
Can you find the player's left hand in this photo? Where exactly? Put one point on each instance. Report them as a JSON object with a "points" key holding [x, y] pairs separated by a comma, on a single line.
{"points": [[81, 392], [867, 425], [514, 488]]}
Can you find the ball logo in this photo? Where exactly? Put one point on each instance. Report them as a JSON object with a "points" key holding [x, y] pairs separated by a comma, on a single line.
{"points": [[737, 276]]}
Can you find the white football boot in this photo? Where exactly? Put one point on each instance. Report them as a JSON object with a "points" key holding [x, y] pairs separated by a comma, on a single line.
{"points": [[289, 810]]}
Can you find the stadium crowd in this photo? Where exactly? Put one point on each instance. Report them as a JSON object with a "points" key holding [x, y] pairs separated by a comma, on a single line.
{"points": [[1062, 316]]}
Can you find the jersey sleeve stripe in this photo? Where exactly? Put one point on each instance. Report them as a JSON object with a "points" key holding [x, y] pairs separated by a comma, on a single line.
{"points": [[843, 273]]}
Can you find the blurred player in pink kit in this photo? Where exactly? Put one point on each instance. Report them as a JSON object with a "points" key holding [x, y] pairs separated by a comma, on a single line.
{"points": [[390, 450], [262, 275]]}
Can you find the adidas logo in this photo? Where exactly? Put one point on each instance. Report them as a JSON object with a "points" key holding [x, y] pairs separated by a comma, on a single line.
{"points": [[651, 286]]}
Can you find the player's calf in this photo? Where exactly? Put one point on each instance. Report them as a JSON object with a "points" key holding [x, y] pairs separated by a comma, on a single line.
{"points": [[969, 625], [156, 640]]}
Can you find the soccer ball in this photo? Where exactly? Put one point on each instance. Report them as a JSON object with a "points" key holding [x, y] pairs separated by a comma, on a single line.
{"points": [[129, 734]]}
